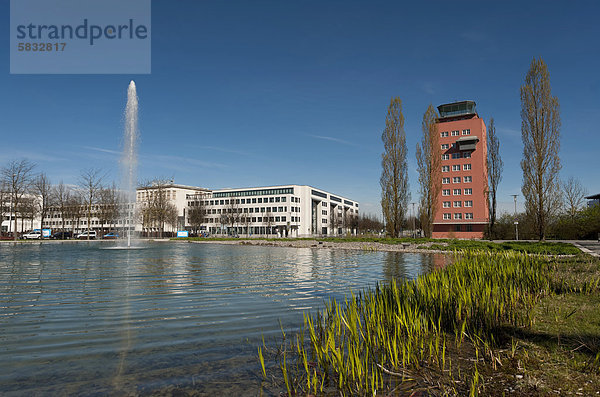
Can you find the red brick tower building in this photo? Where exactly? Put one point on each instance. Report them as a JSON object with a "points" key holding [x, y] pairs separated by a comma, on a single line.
{"points": [[462, 206]]}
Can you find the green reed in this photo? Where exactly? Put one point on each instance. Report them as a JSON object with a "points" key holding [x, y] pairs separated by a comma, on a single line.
{"points": [[373, 342]]}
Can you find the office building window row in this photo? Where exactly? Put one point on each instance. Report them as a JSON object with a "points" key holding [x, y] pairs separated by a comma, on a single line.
{"points": [[457, 179], [468, 228], [255, 200], [254, 219], [258, 192], [457, 204], [456, 167], [251, 210], [455, 133], [458, 192], [457, 155], [457, 216]]}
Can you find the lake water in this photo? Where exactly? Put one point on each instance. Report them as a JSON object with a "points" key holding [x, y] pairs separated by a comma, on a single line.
{"points": [[79, 319]]}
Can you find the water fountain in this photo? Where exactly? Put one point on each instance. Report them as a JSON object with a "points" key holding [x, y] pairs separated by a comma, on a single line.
{"points": [[128, 162]]}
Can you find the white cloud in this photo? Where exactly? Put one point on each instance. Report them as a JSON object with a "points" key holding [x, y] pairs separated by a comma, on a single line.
{"points": [[102, 150], [29, 155], [332, 139]]}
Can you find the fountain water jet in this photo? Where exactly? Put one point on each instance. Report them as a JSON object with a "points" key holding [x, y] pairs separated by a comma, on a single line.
{"points": [[129, 160]]}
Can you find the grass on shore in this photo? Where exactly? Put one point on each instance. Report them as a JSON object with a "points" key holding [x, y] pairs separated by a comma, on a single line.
{"points": [[538, 247], [495, 323]]}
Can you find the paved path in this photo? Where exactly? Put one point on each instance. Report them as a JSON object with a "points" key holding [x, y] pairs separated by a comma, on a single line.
{"points": [[589, 246]]}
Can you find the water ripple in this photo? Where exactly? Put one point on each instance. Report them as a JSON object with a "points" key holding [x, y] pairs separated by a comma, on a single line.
{"points": [[75, 319]]}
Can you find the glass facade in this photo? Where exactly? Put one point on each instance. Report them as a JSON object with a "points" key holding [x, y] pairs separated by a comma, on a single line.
{"points": [[457, 109]]}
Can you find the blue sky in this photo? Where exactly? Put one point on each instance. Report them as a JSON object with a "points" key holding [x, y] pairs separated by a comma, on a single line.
{"points": [[278, 92]]}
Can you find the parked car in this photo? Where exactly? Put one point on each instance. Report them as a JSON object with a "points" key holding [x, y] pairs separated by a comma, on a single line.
{"points": [[35, 235], [84, 235], [111, 236], [62, 236]]}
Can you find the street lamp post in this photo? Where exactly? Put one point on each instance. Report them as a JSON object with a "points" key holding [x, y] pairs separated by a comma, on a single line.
{"points": [[515, 217]]}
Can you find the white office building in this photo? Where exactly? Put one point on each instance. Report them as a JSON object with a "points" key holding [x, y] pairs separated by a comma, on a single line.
{"points": [[282, 211], [270, 211], [173, 194], [24, 213]]}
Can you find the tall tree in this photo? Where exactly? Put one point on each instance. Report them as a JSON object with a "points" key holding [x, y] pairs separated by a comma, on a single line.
{"points": [[43, 188], [75, 210], [28, 210], [157, 207], [197, 212], [369, 224], [494, 168], [108, 210], [62, 197], [428, 167], [573, 194], [17, 176], [90, 182], [394, 174], [540, 131], [233, 213]]}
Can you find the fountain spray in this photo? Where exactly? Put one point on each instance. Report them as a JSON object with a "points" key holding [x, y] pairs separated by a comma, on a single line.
{"points": [[129, 158]]}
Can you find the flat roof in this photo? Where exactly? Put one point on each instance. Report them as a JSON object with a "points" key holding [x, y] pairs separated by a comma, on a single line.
{"points": [[174, 186], [594, 197]]}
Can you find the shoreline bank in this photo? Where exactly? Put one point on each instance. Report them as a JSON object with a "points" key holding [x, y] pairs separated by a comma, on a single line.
{"points": [[349, 245], [555, 249]]}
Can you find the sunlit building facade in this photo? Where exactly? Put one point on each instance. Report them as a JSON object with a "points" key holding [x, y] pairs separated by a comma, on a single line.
{"points": [[462, 205], [270, 211], [281, 211]]}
